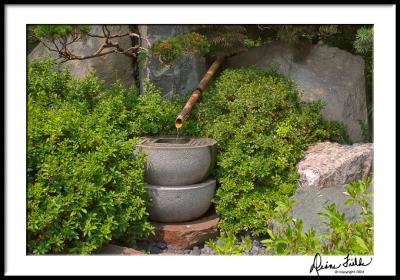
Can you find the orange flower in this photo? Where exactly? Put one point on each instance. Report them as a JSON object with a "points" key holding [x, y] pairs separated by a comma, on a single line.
{"points": [[165, 45], [197, 36]]}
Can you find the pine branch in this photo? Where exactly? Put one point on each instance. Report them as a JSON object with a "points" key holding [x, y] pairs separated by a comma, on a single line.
{"points": [[60, 45]]}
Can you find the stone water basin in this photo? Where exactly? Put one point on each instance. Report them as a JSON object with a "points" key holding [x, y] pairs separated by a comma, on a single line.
{"points": [[178, 162], [180, 203]]}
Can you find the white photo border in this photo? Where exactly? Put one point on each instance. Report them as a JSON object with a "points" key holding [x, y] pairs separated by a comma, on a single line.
{"points": [[18, 16]]}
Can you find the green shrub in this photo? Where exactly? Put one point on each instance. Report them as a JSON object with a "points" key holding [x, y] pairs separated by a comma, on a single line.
{"points": [[228, 245], [341, 237], [154, 115], [84, 184], [249, 43], [363, 44], [170, 49], [42, 31], [262, 128]]}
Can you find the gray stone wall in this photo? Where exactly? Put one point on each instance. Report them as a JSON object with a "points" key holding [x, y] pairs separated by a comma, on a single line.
{"points": [[179, 78]]}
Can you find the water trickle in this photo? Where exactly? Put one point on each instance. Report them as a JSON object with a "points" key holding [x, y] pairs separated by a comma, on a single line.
{"points": [[177, 134]]}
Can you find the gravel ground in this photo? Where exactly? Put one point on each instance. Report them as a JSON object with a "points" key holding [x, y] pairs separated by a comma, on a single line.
{"points": [[257, 248]]}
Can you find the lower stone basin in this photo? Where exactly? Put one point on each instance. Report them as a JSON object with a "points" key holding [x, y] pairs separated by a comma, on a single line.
{"points": [[180, 203]]}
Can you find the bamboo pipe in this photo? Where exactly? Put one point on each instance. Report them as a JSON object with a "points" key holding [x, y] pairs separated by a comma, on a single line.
{"points": [[197, 92]]}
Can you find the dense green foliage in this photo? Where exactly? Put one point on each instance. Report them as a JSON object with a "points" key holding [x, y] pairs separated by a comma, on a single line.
{"points": [[224, 39], [84, 184], [228, 245], [47, 31], [289, 238], [249, 43], [341, 238], [170, 49], [262, 128], [363, 43]]}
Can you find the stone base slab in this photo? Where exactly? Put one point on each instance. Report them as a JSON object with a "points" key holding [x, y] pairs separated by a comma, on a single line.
{"points": [[111, 249], [186, 235]]}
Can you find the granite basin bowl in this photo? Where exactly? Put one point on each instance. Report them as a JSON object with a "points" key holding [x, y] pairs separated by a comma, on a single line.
{"points": [[177, 162], [171, 204]]}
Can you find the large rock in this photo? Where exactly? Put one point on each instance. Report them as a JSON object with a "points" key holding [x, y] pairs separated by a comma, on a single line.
{"points": [[330, 164], [108, 68], [311, 202], [322, 73], [179, 78], [324, 171]]}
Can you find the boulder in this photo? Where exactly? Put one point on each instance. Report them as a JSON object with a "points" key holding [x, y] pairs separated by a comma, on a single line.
{"points": [[324, 171], [179, 78], [311, 202], [330, 164], [108, 68], [323, 73]]}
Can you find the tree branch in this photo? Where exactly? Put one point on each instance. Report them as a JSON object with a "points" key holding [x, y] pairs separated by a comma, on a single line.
{"points": [[60, 45], [44, 44]]}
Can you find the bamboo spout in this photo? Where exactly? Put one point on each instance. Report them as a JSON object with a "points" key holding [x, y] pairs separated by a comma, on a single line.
{"points": [[197, 92]]}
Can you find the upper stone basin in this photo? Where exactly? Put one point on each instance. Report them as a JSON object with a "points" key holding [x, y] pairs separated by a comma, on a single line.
{"points": [[174, 161]]}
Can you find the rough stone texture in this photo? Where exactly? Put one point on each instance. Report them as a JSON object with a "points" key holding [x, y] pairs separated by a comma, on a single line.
{"points": [[330, 164], [112, 249], [179, 78], [196, 251], [108, 68], [311, 202], [322, 73], [177, 164], [324, 171], [184, 236], [180, 203]]}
